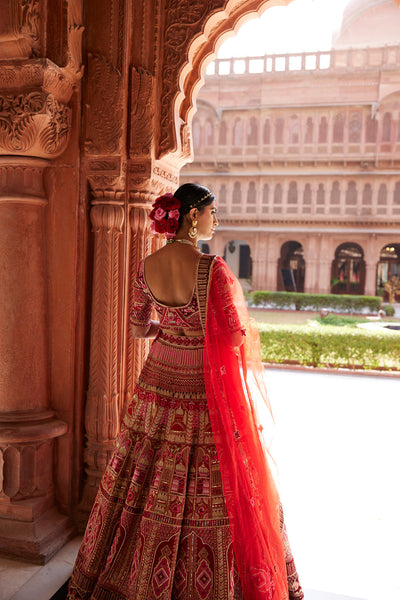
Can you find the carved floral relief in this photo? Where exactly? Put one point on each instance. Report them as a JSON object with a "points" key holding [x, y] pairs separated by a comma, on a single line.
{"points": [[104, 107], [33, 123], [142, 102]]}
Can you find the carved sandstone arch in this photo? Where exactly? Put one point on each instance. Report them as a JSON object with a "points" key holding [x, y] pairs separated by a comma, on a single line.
{"points": [[192, 35]]}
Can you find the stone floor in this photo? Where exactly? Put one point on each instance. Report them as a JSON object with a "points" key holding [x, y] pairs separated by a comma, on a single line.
{"points": [[337, 447]]}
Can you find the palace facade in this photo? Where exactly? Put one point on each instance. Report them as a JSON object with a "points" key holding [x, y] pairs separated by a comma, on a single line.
{"points": [[303, 154]]}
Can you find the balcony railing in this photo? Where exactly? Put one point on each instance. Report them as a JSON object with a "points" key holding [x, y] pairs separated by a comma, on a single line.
{"points": [[347, 59]]}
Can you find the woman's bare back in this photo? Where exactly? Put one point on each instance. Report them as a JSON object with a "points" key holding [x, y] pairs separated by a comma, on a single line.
{"points": [[171, 272]]}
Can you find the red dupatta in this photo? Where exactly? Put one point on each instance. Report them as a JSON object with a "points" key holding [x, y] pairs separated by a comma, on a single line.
{"points": [[233, 376]]}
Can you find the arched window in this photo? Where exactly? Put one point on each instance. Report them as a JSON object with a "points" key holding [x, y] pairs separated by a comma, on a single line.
{"points": [[351, 193], [237, 133], [367, 194], [348, 270], [309, 131], [294, 130], [371, 128], [338, 128], [251, 197], [387, 127], [237, 193], [252, 132], [267, 132], [355, 128], [279, 124], [265, 197], [209, 133], [382, 194], [196, 133], [222, 134], [335, 193], [323, 131], [222, 197], [278, 194], [292, 193], [307, 194], [396, 193], [321, 194]]}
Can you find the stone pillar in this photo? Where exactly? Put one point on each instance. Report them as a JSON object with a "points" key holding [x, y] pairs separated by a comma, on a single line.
{"points": [[273, 252], [30, 527], [323, 281], [103, 403], [311, 255], [140, 246], [260, 262], [35, 129], [370, 278], [371, 256]]}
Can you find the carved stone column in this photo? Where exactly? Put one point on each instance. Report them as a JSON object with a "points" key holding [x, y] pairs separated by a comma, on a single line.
{"points": [[35, 126], [311, 254], [271, 281], [103, 404], [372, 251], [370, 278], [140, 246], [29, 525], [260, 262]]}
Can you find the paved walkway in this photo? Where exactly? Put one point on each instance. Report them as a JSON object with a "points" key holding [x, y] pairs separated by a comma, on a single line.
{"points": [[337, 447]]}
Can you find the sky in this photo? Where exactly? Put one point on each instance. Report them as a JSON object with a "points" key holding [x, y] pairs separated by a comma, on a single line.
{"points": [[303, 25]]}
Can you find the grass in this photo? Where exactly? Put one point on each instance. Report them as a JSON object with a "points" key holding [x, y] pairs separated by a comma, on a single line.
{"points": [[334, 341]]}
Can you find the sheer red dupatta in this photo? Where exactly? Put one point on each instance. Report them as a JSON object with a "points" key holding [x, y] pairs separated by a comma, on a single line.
{"points": [[233, 375]]}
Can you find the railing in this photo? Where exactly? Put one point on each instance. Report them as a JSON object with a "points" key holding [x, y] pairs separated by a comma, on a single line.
{"points": [[351, 58]]}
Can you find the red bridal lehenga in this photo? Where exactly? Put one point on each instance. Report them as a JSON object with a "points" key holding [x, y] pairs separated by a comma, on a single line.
{"points": [[187, 508]]}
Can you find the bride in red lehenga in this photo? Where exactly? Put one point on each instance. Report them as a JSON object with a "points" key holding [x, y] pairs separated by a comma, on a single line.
{"points": [[187, 508]]}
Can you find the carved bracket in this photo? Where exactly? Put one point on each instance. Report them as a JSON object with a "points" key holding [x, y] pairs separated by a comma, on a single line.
{"points": [[33, 123], [106, 173]]}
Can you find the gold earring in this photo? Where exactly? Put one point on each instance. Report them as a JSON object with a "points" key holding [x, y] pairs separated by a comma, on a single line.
{"points": [[193, 230]]}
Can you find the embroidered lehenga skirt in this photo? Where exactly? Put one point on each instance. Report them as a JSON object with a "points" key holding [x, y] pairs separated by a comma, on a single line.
{"points": [[159, 527]]}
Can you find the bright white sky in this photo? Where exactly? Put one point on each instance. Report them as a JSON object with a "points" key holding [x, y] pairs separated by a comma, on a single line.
{"points": [[303, 25]]}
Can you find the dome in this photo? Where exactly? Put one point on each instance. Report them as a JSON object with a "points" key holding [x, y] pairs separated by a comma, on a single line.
{"points": [[369, 23]]}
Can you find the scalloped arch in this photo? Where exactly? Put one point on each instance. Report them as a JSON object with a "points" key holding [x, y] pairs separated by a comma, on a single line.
{"points": [[190, 43]]}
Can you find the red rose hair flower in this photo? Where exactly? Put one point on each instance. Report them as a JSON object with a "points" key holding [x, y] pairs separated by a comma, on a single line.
{"points": [[165, 215]]}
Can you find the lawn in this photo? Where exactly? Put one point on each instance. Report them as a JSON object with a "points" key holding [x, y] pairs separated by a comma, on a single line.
{"points": [[335, 341]]}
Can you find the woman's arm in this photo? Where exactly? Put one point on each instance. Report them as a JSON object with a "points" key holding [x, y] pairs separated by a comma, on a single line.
{"points": [[147, 331], [237, 338]]}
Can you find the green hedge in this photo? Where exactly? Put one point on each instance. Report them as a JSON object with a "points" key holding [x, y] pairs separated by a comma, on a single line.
{"points": [[334, 302], [315, 345]]}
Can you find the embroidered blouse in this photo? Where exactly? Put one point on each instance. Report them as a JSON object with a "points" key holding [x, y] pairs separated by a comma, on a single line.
{"points": [[175, 319]]}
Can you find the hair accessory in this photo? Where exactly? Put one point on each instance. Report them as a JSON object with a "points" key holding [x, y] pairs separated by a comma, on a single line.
{"points": [[165, 215], [192, 233], [201, 200]]}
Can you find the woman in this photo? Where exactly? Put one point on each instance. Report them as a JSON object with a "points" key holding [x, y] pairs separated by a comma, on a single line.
{"points": [[187, 508]]}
